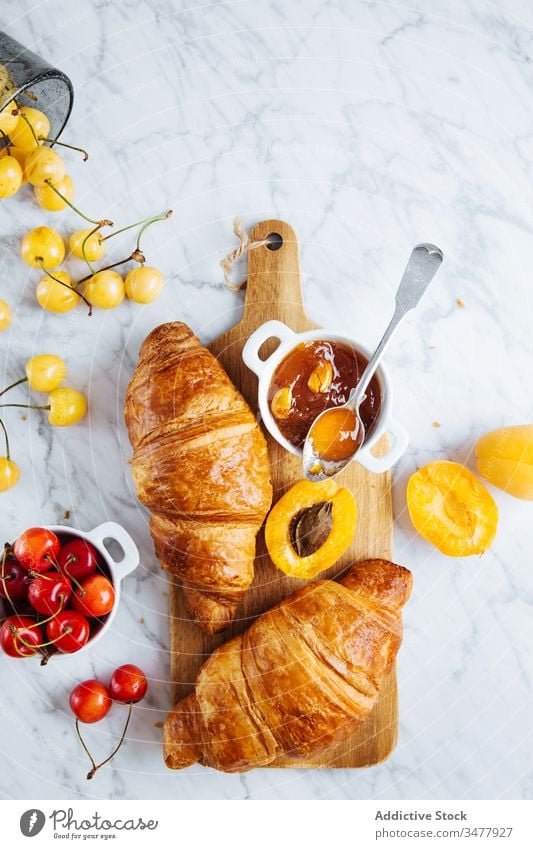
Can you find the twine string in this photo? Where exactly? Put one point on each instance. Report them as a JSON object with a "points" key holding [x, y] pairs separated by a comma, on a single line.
{"points": [[233, 257]]}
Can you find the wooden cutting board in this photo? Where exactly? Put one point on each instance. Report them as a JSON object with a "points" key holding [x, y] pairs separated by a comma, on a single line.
{"points": [[273, 291]]}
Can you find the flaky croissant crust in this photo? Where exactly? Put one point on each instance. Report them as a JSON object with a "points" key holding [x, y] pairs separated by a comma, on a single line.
{"points": [[200, 465], [303, 677]]}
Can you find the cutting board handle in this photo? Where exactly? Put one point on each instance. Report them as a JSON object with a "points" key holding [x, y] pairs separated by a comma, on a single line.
{"points": [[273, 283]]}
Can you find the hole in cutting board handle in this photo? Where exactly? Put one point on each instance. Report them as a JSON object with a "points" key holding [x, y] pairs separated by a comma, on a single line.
{"points": [[275, 241]]}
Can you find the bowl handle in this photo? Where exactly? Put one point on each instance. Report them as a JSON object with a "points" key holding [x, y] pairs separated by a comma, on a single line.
{"points": [[268, 330], [399, 440], [112, 530]]}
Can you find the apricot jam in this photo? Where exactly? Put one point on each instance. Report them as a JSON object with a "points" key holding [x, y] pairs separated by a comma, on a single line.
{"points": [[314, 377], [335, 435]]}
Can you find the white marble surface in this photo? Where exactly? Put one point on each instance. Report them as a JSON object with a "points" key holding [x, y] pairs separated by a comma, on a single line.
{"points": [[369, 126]]}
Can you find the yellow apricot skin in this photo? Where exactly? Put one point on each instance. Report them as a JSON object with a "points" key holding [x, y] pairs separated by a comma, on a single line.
{"points": [[300, 497], [452, 509], [504, 457]]}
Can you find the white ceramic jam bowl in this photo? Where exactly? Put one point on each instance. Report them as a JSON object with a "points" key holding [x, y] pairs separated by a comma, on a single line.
{"points": [[264, 369], [118, 569]]}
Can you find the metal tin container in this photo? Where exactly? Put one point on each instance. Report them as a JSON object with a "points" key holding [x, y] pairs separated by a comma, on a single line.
{"points": [[30, 81]]}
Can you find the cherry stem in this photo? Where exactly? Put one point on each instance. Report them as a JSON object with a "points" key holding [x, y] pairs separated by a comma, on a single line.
{"points": [[20, 639], [28, 406], [167, 214], [107, 267], [12, 385], [102, 223], [64, 144], [8, 457], [87, 752], [87, 237], [53, 615], [33, 574], [67, 286], [145, 222], [64, 571], [21, 114], [115, 750], [4, 581]]}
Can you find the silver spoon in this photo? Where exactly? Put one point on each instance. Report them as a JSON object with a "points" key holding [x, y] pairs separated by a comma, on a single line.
{"points": [[423, 264]]}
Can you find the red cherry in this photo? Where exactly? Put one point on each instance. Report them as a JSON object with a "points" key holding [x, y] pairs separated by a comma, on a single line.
{"points": [[18, 630], [90, 701], [13, 584], [49, 593], [69, 631], [78, 559], [128, 684], [36, 548], [96, 596]]}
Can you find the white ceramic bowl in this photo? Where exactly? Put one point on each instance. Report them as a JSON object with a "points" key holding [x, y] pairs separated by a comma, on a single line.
{"points": [[264, 369], [118, 569]]}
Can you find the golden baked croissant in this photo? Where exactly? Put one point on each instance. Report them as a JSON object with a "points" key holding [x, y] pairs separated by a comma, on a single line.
{"points": [[200, 465], [299, 680]]}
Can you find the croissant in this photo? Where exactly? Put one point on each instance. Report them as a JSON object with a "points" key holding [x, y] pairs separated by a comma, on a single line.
{"points": [[303, 677], [200, 465]]}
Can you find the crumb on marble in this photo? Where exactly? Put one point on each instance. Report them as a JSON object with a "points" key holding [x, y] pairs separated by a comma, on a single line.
{"points": [[141, 620], [24, 418], [158, 724], [66, 514], [459, 302], [436, 424]]}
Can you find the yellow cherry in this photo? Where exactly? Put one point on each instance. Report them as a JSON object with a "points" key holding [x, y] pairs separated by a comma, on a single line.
{"points": [[50, 200], [9, 474], [5, 315], [143, 284], [67, 406], [43, 164], [22, 135], [42, 247], [94, 246], [45, 372], [105, 289], [8, 121], [10, 176], [55, 297], [20, 155]]}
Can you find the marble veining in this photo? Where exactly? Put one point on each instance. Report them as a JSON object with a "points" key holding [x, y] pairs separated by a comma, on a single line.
{"points": [[370, 126]]}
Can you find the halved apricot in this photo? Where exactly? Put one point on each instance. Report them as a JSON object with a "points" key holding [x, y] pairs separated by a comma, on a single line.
{"points": [[504, 457], [452, 509], [310, 527]]}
